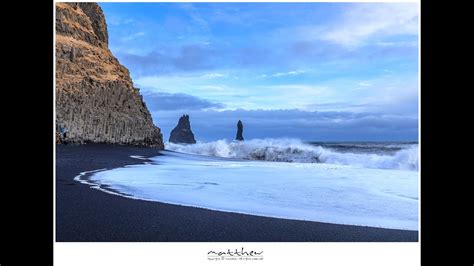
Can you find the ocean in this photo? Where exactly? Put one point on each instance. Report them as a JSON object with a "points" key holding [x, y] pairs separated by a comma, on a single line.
{"points": [[357, 183], [383, 155]]}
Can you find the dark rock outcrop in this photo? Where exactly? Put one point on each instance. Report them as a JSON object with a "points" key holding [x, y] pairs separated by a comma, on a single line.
{"points": [[95, 97], [240, 131], [182, 132]]}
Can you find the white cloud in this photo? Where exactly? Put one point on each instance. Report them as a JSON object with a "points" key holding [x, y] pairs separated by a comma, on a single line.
{"points": [[192, 84], [398, 44], [290, 73], [289, 96], [364, 84], [212, 88], [376, 95], [365, 21], [283, 74], [195, 16], [213, 75], [236, 96], [118, 21], [134, 36]]}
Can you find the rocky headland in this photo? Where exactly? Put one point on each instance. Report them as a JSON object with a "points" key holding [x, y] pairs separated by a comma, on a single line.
{"points": [[95, 97]]}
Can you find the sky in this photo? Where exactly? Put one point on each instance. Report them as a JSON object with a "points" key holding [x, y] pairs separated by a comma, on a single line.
{"points": [[313, 71]]}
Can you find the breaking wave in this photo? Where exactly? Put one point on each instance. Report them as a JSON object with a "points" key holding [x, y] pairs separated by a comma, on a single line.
{"points": [[294, 150]]}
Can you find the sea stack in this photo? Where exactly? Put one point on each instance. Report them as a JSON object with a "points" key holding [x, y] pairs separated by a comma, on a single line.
{"points": [[240, 130], [95, 97], [182, 132]]}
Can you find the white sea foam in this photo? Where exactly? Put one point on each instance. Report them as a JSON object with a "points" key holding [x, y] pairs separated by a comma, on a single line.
{"points": [[139, 157], [405, 159], [293, 150], [331, 193]]}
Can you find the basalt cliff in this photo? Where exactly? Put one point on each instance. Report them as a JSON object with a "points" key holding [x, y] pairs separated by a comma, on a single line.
{"points": [[95, 97]]}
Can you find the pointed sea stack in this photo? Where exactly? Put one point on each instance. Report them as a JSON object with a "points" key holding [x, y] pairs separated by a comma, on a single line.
{"points": [[240, 130], [182, 132]]}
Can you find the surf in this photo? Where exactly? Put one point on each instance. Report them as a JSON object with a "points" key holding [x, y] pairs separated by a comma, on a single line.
{"points": [[332, 193], [402, 156]]}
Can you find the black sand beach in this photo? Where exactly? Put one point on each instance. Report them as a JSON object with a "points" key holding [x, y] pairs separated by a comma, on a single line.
{"points": [[85, 214]]}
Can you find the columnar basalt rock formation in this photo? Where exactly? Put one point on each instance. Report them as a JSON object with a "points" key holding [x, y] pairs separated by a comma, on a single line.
{"points": [[240, 131], [95, 97], [182, 132]]}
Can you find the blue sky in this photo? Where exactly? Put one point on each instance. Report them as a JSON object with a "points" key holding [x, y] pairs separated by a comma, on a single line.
{"points": [[314, 71]]}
